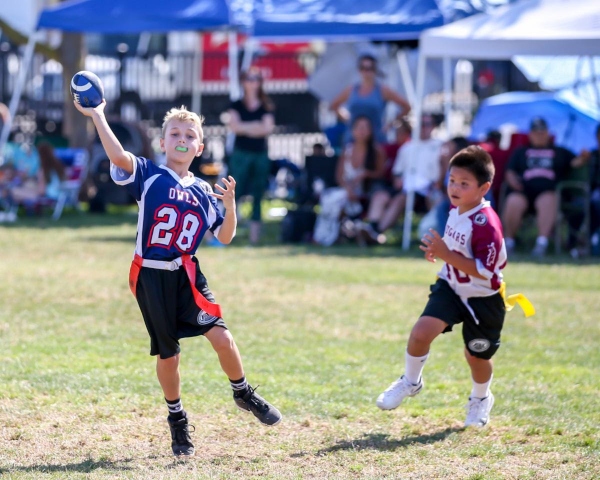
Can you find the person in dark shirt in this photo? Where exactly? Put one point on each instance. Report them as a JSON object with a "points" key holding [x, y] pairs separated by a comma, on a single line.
{"points": [[251, 120], [532, 174]]}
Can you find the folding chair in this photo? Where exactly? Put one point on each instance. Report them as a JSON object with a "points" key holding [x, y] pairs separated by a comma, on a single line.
{"points": [[76, 163]]}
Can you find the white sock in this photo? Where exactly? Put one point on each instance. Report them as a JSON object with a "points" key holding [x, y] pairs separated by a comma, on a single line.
{"points": [[481, 390], [542, 241], [414, 367]]}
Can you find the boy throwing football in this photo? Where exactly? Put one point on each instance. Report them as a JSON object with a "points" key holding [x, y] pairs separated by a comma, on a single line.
{"points": [[175, 211]]}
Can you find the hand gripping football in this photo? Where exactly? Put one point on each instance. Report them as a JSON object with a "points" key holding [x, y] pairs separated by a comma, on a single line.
{"points": [[87, 89]]}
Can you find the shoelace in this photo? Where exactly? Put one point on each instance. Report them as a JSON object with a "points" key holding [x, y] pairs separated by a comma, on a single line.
{"points": [[473, 407], [401, 381], [182, 433], [256, 400]]}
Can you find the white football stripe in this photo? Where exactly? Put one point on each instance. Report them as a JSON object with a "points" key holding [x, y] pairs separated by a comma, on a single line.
{"points": [[80, 88]]}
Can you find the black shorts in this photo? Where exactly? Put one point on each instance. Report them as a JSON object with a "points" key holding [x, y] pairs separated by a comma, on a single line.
{"points": [[170, 312], [531, 194], [481, 340]]}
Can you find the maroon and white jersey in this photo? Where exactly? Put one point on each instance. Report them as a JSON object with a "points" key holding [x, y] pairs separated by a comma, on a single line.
{"points": [[475, 234]]}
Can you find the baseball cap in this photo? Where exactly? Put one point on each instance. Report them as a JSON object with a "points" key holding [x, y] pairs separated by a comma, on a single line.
{"points": [[538, 123]]}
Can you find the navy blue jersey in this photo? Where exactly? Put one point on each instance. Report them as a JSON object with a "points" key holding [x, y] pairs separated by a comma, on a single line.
{"points": [[174, 212]]}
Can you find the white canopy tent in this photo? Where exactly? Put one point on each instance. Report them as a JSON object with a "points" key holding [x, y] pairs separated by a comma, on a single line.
{"points": [[527, 27]]}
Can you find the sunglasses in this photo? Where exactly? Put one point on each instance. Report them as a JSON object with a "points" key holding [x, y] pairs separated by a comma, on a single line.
{"points": [[252, 78], [366, 68]]}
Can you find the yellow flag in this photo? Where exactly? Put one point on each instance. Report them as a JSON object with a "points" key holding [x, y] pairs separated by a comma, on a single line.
{"points": [[517, 299]]}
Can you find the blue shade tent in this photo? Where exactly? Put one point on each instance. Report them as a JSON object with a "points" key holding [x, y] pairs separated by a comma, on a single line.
{"points": [[133, 16], [345, 19], [572, 122]]}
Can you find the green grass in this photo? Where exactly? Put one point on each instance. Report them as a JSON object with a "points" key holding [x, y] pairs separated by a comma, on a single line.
{"points": [[322, 331]]}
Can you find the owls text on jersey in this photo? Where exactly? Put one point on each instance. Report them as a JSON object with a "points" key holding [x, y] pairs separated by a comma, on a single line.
{"points": [[174, 212], [475, 234]]}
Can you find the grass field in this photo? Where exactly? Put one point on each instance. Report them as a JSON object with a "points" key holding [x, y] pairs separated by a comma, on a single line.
{"points": [[322, 331]]}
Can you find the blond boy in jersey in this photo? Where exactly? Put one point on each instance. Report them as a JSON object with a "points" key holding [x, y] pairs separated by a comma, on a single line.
{"points": [[176, 209], [467, 290]]}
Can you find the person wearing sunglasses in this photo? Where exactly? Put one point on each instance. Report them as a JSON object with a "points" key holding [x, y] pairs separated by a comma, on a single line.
{"points": [[251, 120], [368, 98]]}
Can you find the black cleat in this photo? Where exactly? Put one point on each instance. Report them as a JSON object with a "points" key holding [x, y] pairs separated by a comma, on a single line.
{"points": [[180, 434], [250, 401]]}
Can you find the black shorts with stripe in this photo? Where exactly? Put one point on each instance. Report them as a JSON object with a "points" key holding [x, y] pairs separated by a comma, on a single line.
{"points": [[481, 340], [170, 312]]}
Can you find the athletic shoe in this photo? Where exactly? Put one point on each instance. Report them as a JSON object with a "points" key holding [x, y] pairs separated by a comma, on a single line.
{"points": [[397, 392], [478, 411], [180, 434], [250, 401]]}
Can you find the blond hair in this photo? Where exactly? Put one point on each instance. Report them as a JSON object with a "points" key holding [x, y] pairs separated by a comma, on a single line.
{"points": [[183, 115]]}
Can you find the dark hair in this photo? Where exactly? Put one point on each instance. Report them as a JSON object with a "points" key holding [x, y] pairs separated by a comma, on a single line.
{"points": [[48, 161], [371, 160], [264, 98], [494, 136], [460, 143], [369, 57], [477, 161]]}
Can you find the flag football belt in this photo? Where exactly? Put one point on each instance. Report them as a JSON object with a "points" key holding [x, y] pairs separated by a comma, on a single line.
{"points": [[186, 261], [517, 299]]}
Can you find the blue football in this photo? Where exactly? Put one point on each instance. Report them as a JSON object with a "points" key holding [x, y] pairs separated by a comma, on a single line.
{"points": [[87, 89]]}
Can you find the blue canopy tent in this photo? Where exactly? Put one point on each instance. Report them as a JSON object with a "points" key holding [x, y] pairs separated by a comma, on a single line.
{"points": [[133, 16], [345, 19], [572, 122]]}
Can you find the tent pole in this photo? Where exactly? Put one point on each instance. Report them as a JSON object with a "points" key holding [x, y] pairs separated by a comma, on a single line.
{"points": [[447, 93], [197, 69], [416, 136], [249, 49], [234, 83], [16, 96], [409, 86]]}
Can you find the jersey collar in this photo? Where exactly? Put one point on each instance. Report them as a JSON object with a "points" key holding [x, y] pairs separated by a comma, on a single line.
{"points": [[468, 213], [184, 182]]}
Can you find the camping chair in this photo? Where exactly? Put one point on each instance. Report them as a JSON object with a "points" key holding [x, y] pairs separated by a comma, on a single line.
{"points": [[76, 163], [573, 209]]}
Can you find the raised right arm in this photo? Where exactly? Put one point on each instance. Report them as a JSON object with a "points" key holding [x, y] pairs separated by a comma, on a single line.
{"points": [[114, 150]]}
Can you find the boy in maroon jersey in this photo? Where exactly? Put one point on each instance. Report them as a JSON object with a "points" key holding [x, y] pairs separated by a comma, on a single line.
{"points": [[467, 290]]}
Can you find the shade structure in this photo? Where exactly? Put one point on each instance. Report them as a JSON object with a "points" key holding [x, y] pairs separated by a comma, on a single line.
{"points": [[133, 16], [527, 27], [572, 122], [345, 19]]}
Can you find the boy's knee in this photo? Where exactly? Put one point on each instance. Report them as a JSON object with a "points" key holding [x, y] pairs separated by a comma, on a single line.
{"points": [[170, 362], [222, 340]]}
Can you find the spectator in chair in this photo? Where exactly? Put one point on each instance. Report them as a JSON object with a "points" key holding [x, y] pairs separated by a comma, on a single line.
{"points": [[532, 174], [368, 98], [417, 168], [359, 173], [376, 221], [251, 119]]}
